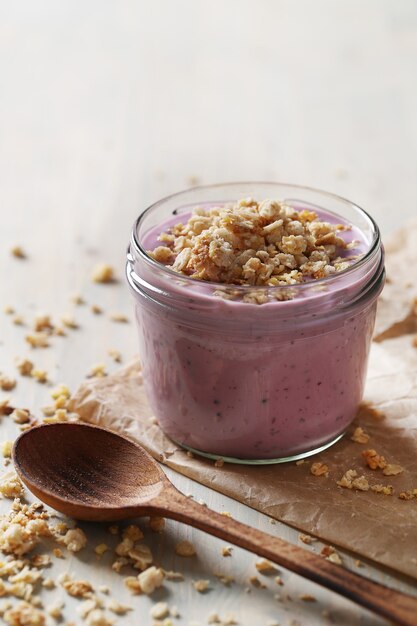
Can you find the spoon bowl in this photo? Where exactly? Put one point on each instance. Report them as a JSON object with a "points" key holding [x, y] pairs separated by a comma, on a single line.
{"points": [[87, 472], [91, 473]]}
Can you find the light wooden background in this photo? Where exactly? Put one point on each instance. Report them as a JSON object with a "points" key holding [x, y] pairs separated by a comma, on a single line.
{"points": [[106, 106]]}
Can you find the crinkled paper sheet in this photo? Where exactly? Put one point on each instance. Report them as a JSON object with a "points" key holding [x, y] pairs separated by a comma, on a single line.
{"points": [[377, 527]]}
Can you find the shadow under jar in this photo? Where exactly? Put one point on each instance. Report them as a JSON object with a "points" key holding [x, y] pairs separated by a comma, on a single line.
{"points": [[255, 383]]}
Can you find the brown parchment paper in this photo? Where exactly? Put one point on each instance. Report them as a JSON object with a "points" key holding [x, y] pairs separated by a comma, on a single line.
{"points": [[397, 310], [380, 528]]}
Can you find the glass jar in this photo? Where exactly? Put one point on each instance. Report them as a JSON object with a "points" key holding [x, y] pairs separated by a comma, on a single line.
{"points": [[247, 382]]}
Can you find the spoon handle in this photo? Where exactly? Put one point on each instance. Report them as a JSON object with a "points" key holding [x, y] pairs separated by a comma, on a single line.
{"points": [[391, 604]]}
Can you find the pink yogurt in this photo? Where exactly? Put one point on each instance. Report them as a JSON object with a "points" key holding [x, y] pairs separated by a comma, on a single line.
{"points": [[249, 382]]}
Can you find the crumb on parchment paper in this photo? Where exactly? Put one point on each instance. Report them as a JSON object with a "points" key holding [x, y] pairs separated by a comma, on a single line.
{"points": [[392, 469], [409, 494], [351, 480], [386, 490], [373, 459], [319, 469], [359, 435]]}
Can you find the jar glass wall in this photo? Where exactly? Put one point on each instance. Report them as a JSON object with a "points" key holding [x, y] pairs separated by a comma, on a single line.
{"points": [[254, 382]]}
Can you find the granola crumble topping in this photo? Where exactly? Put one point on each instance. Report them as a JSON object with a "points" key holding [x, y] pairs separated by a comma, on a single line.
{"points": [[20, 416], [117, 607], [77, 299], [157, 524], [386, 490], [331, 554], [185, 548], [151, 579], [41, 376], [160, 610], [410, 494], [351, 480], [255, 582], [319, 469], [392, 469], [18, 252], [225, 579], [373, 459], [265, 567], [306, 597], [24, 614], [201, 585], [22, 529], [100, 549], [24, 366], [6, 448], [116, 355], [97, 371], [119, 317], [175, 576], [254, 243], [76, 588], [7, 383], [38, 339], [11, 486], [75, 539], [307, 539], [103, 273], [359, 435], [69, 321], [42, 323]]}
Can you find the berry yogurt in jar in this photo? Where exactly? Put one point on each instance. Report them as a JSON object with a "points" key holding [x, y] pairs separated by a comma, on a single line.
{"points": [[255, 305]]}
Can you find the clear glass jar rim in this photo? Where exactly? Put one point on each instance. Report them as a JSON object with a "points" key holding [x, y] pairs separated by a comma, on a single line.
{"points": [[373, 247]]}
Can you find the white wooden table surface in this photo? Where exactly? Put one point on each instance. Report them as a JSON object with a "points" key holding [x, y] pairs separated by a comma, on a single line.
{"points": [[107, 106]]}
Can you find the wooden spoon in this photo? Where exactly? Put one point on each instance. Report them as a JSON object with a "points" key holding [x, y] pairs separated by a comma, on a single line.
{"points": [[90, 473]]}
